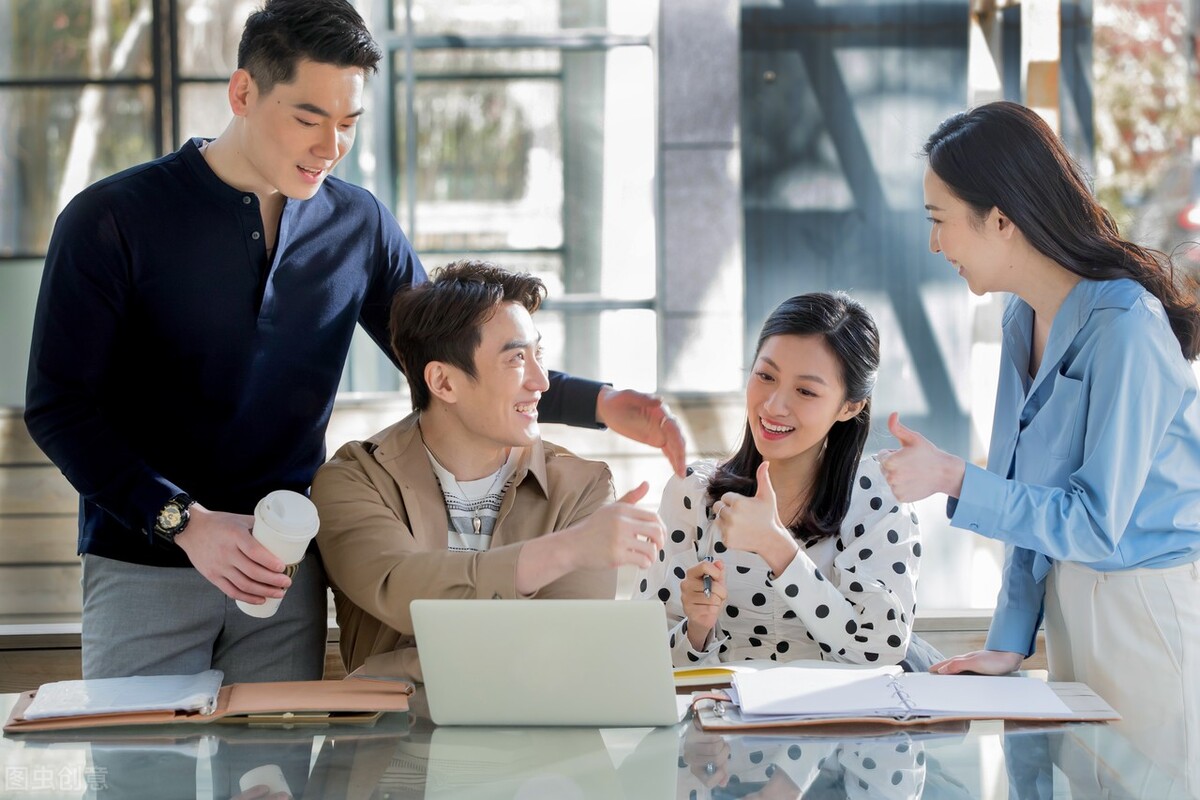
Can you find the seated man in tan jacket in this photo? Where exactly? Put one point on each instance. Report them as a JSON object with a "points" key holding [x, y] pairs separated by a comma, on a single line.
{"points": [[462, 498]]}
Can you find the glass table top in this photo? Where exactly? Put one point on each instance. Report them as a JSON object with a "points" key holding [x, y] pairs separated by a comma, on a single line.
{"points": [[406, 756]]}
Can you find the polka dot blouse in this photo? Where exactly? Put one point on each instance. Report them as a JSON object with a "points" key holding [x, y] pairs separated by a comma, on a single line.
{"points": [[849, 598]]}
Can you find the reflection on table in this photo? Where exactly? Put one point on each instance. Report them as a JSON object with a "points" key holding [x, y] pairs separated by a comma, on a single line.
{"points": [[406, 756]]}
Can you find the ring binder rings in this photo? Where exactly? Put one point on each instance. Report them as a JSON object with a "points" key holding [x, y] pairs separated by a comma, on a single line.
{"points": [[904, 698]]}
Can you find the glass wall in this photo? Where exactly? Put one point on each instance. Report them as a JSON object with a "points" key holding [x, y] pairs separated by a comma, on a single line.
{"points": [[77, 102], [522, 132]]}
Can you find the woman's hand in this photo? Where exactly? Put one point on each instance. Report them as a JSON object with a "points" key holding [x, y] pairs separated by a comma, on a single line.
{"points": [[918, 469], [701, 610], [752, 524], [984, 662]]}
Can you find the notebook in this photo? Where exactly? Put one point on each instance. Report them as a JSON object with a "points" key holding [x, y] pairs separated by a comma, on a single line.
{"points": [[127, 695], [200, 699], [546, 662], [799, 694]]}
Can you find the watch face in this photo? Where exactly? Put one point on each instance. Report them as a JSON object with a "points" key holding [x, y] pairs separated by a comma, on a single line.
{"points": [[170, 517]]}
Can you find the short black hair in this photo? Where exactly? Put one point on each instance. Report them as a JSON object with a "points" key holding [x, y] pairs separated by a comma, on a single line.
{"points": [[441, 320], [284, 32]]}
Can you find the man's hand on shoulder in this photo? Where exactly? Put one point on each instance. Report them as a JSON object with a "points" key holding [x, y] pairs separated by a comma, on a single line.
{"points": [[222, 549], [644, 418]]}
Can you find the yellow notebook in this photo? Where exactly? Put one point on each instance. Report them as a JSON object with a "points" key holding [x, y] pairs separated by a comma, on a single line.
{"points": [[721, 674]]}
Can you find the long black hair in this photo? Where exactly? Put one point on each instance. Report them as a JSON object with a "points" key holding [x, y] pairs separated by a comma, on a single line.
{"points": [[1002, 155], [850, 333]]}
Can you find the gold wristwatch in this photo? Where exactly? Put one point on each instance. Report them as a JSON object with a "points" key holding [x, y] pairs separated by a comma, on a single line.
{"points": [[173, 517]]}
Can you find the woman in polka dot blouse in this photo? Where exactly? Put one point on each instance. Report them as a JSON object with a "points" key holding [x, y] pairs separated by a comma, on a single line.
{"points": [[837, 580]]}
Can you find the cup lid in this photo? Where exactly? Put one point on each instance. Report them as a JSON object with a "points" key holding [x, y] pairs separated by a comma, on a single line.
{"points": [[289, 513]]}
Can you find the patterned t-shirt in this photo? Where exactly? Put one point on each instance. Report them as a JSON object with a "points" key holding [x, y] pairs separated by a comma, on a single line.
{"points": [[472, 507], [850, 597]]}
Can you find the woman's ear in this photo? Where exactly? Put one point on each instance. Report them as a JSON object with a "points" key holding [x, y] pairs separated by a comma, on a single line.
{"points": [[1004, 226], [851, 410]]}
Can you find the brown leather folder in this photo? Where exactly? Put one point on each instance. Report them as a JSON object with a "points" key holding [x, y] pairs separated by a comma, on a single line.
{"points": [[277, 703]]}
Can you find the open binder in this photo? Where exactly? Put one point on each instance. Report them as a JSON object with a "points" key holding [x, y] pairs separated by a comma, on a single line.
{"points": [[795, 695], [200, 699]]}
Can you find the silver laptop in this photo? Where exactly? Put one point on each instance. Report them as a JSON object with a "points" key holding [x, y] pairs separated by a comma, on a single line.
{"points": [[546, 662]]}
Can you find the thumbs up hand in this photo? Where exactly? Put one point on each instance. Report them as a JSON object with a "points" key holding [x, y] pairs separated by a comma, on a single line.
{"points": [[918, 469], [904, 435], [752, 524]]}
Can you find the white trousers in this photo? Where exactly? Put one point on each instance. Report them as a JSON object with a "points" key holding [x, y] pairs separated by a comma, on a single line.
{"points": [[1134, 637]]}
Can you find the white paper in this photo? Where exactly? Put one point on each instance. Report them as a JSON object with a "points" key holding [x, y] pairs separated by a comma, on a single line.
{"points": [[117, 695], [1008, 696], [804, 690], [889, 692]]}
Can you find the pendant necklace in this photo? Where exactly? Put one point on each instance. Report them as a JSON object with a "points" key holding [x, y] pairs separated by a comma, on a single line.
{"points": [[476, 522]]}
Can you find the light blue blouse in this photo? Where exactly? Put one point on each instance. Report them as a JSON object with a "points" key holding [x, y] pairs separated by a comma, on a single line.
{"points": [[1096, 459]]}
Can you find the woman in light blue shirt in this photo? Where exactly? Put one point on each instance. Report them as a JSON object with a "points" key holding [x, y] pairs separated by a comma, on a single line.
{"points": [[1093, 478]]}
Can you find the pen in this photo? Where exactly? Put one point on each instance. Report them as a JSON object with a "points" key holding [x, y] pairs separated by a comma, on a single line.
{"points": [[709, 553]]}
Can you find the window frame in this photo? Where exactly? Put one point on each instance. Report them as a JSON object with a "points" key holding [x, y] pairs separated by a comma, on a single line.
{"points": [[395, 85], [402, 39], [162, 13]]}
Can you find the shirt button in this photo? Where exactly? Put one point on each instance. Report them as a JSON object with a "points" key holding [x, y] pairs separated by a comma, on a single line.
{"points": [[974, 526], [246, 199], [255, 236]]}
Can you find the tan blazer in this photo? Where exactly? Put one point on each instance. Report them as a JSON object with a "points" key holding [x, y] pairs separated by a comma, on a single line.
{"points": [[383, 538]]}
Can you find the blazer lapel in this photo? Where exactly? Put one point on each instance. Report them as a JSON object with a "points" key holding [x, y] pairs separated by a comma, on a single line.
{"points": [[402, 454], [531, 464]]}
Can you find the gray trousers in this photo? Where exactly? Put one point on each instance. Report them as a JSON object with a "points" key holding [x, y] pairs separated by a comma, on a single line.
{"points": [[140, 620]]}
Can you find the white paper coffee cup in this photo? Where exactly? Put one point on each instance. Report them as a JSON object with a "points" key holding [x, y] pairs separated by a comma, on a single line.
{"points": [[284, 523], [269, 775]]}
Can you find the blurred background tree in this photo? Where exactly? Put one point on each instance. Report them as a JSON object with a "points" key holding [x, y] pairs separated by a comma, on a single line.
{"points": [[1145, 98], [56, 139]]}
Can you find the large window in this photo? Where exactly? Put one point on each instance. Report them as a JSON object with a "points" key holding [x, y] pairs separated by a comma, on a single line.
{"points": [[520, 131], [523, 132], [78, 100]]}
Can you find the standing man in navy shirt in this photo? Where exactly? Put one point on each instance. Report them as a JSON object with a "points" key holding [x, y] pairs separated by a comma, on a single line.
{"points": [[193, 321]]}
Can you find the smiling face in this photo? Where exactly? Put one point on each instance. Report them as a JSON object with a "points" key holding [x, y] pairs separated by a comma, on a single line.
{"points": [[794, 396], [978, 249], [294, 135], [498, 407]]}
